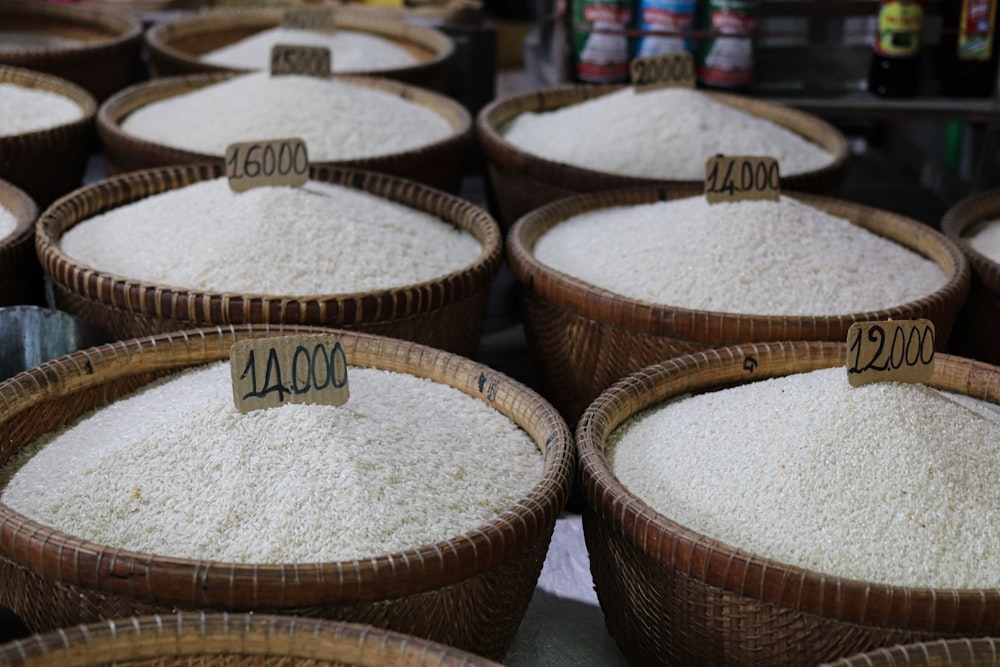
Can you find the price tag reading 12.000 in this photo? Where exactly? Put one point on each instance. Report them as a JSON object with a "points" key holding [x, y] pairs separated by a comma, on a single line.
{"points": [[306, 368], [303, 60], [730, 178], [672, 70], [901, 350], [252, 164]]}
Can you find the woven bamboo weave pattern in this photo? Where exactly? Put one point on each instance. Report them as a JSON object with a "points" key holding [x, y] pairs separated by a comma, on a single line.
{"points": [[978, 652], [20, 273]]}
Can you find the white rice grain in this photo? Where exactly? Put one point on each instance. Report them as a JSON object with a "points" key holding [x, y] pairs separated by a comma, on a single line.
{"points": [[8, 222], [888, 482], [985, 239], [24, 109]]}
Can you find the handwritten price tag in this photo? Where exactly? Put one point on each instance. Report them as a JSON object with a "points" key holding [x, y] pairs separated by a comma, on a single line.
{"points": [[306, 368], [671, 70], [901, 351], [303, 60], [317, 19], [741, 178], [252, 164]]}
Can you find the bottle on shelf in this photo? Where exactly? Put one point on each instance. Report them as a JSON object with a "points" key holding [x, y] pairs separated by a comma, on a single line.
{"points": [[969, 48], [600, 45], [665, 16], [725, 60], [895, 64]]}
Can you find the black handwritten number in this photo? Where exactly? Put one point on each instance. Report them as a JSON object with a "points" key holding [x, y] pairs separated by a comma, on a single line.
{"points": [[877, 334], [727, 184], [904, 350], [338, 365], [233, 164], [927, 336], [251, 166], [251, 368], [327, 373], [309, 374], [773, 177]]}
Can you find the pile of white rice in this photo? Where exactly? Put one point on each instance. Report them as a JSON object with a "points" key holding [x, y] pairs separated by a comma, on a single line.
{"points": [[666, 134], [338, 120], [350, 50], [8, 222], [985, 239], [315, 240], [176, 470], [887, 482], [753, 257], [24, 109]]}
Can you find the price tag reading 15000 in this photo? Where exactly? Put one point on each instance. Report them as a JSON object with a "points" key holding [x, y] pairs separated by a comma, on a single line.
{"points": [[306, 368], [901, 351], [251, 164], [730, 178], [304, 60]]}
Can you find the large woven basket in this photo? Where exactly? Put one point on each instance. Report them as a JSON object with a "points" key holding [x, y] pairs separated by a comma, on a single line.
{"points": [[447, 313], [48, 163], [672, 596], [469, 591], [439, 164], [231, 640], [584, 337], [523, 182], [20, 274], [979, 320], [176, 45], [978, 652], [106, 60]]}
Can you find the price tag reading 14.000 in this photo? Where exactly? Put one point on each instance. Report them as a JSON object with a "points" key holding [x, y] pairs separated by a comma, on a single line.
{"points": [[306, 368], [730, 178], [901, 351], [251, 164]]}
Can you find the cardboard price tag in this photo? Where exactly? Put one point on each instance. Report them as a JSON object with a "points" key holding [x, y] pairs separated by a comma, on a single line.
{"points": [[304, 368], [900, 351], [302, 60], [317, 19], [252, 164], [674, 70], [730, 178]]}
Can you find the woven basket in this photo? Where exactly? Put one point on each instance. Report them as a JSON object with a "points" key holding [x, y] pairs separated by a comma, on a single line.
{"points": [[105, 62], [523, 182], [176, 45], [978, 652], [673, 596], [979, 320], [447, 313], [231, 640], [584, 338], [48, 163], [439, 164], [469, 591], [20, 274]]}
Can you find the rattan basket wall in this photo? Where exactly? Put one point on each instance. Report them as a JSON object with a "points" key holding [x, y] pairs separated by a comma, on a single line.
{"points": [[176, 45], [673, 596], [584, 338], [439, 164], [979, 320], [20, 273], [446, 313], [47, 163], [523, 182], [978, 652], [231, 640], [469, 591], [107, 59]]}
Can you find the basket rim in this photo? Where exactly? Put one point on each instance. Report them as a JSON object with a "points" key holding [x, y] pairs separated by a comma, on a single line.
{"points": [[591, 302], [440, 46], [25, 211], [961, 217], [732, 569], [146, 297], [57, 134], [195, 633], [125, 29], [507, 156], [233, 586], [927, 652], [120, 104]]}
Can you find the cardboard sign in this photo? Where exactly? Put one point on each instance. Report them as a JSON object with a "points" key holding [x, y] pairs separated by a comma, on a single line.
{"points": [[674, 70], [302, 60], [252, 164], [896, 350], [731, 178], [317, 19]]}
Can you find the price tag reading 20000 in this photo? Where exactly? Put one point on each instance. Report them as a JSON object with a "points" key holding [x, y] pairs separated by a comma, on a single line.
{"points": [[901, 350], [730, 178], [251, 164], [671, 70], [306, 368]]}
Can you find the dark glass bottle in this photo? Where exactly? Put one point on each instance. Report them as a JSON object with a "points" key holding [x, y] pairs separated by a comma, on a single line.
{"points": [[895, 66], [969, 48]]}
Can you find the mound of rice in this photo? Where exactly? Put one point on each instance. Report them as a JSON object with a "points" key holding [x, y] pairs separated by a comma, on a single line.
{"points": [[985, 239], [8, 223], [24, 109]]}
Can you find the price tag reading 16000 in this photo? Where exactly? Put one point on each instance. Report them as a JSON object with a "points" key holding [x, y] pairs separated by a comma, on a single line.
{"points": [[306, 368], [731, 178], [251, 164], [902, 351]]}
